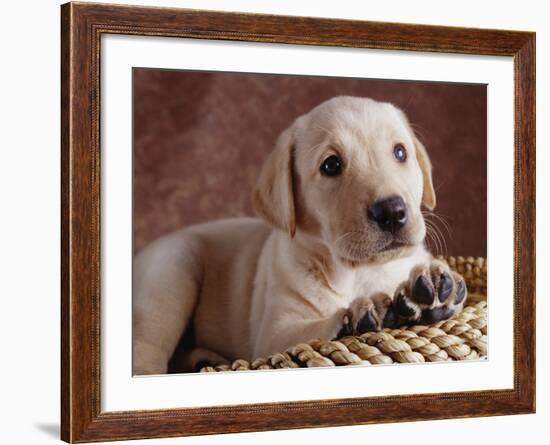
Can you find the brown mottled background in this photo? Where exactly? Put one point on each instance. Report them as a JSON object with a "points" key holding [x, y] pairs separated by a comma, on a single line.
{"points": [[201, 137]]}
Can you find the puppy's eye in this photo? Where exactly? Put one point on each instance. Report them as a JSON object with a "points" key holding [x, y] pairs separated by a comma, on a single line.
{"points": [[331, 166], [399, 152]]}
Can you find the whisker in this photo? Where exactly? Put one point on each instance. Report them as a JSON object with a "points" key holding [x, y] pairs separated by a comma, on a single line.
{"points": [[429, 237], [443, 220], [436, 240], [434, 220], [347, 234], [443, 242], [435, 245], [439, 239]]}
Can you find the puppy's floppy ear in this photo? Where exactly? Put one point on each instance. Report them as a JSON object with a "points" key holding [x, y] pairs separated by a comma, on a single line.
{"points": [[273, 197], [428, 192]]}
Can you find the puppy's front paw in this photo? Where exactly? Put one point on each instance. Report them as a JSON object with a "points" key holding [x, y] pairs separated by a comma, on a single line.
{"points": [[366, 314], [432, 294]]}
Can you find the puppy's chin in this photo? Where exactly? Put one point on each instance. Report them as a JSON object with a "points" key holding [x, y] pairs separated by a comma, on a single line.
{"points": [[391, 252], [372, 246]]}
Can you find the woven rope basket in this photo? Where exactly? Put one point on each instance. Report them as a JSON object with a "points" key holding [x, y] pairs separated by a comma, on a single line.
{"points": [[463, 337]]}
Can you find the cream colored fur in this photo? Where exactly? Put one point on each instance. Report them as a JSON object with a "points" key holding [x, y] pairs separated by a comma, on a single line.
{"points": [[251, 287]]}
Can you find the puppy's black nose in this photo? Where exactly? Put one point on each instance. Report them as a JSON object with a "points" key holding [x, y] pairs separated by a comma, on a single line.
{"points": [[390, 213]]}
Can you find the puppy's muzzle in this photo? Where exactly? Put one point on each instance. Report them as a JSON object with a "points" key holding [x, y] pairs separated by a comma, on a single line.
{"points": [[390, 214]]}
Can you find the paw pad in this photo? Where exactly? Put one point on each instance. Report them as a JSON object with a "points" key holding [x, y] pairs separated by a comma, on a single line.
{"points": [[367, 314], [423, 290], [431, 294], [445, 287], [366, 323]]}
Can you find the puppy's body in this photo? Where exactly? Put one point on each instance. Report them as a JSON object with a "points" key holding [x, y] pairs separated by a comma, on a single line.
{"points": [[255, 291], [211, 276], [329, 261]]}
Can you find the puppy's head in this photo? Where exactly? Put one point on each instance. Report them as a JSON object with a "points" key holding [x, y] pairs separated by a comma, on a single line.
{"points": [[351, 173]]}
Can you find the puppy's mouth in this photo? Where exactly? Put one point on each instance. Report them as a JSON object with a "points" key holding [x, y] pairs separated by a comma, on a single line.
{"points": [[391, 249], [394, 249], [394, 245]]}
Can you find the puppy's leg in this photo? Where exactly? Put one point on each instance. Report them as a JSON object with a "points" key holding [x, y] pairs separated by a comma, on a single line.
{"points": [[370, 313], [431, 294], [283, 330], [166, 287]]}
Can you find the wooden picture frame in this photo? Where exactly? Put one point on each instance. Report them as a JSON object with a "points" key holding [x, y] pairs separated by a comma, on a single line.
{"points": [[82, 26]]}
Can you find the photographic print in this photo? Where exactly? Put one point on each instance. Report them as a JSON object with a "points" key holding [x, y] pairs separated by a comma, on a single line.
{"points": [[284, 221], [274, 222]]}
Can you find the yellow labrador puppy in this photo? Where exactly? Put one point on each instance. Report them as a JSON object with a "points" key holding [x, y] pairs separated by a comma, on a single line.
{"points": [[339, 249]]}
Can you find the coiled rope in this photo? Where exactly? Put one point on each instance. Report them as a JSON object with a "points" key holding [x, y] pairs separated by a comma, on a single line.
{"points": [[463, 337]]}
